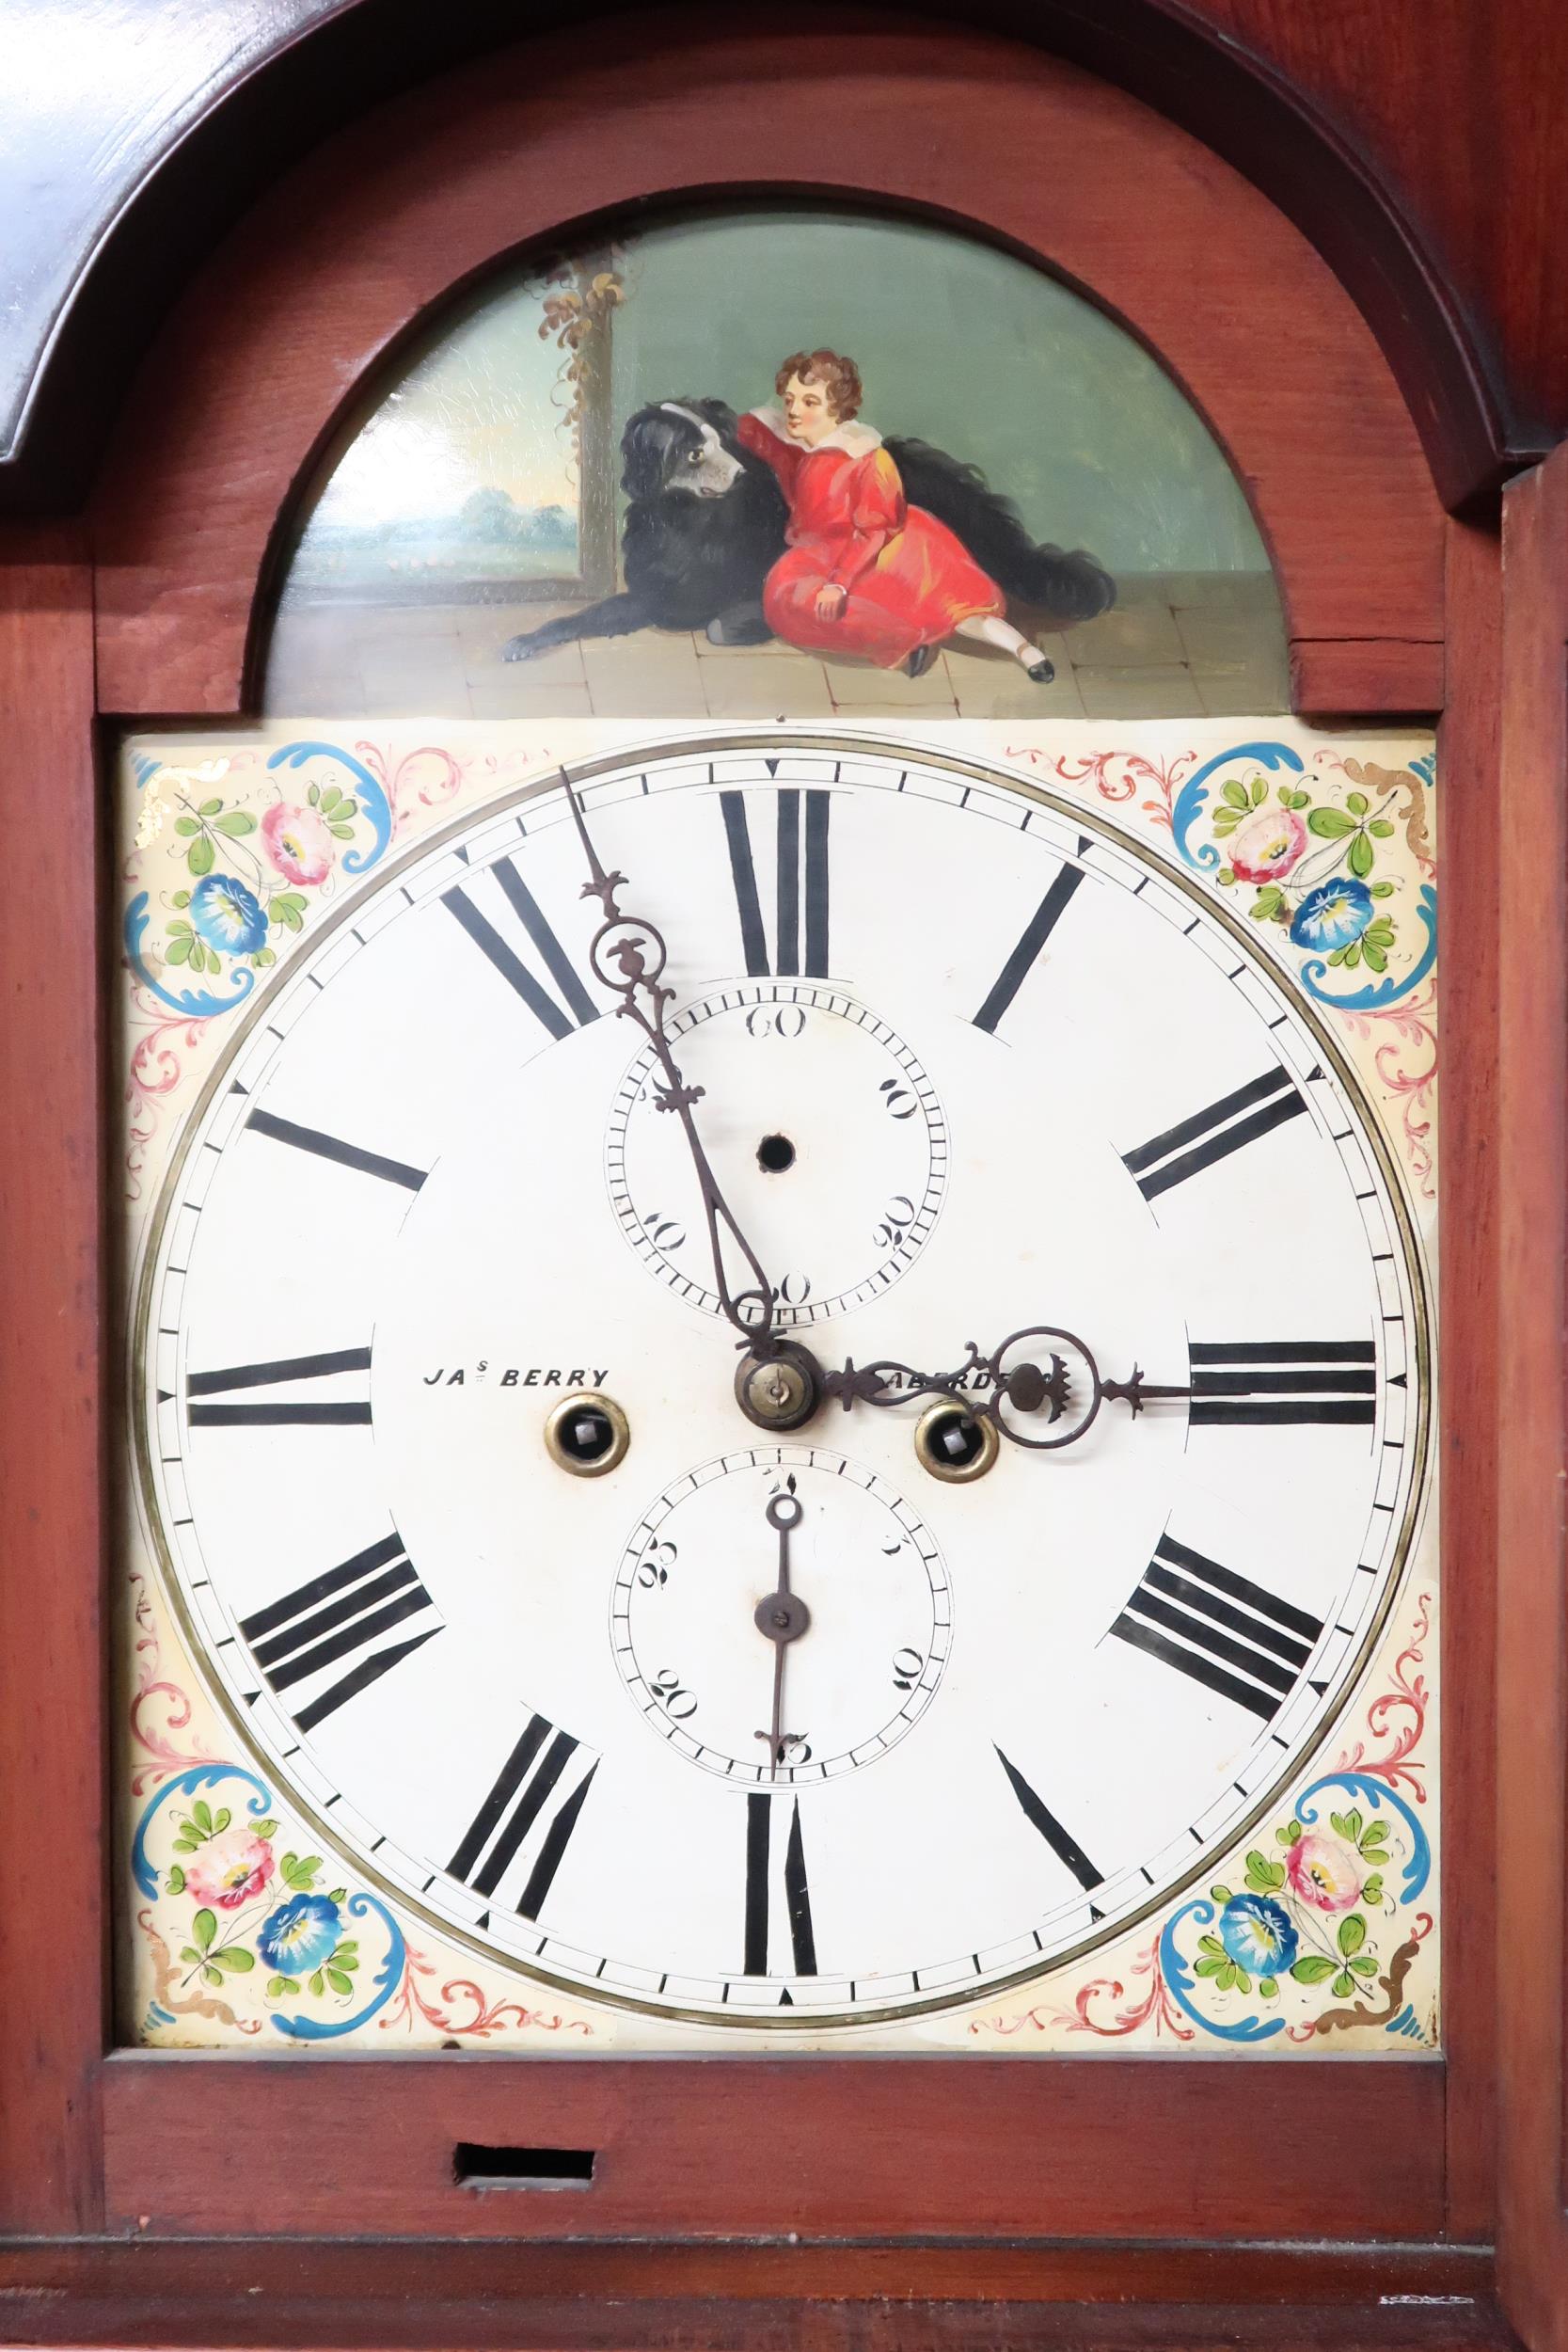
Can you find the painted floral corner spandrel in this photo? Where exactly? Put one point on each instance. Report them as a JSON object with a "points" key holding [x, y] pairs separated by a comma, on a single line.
{"points": [[1330, 854], [1314, 1933], [234, 856], [242, 1932]]}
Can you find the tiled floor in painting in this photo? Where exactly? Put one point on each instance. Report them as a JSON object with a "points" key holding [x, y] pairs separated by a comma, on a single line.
{"points": [[1176, 647]]}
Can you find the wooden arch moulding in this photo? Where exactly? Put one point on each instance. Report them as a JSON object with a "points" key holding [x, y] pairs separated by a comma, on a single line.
{"points": [[354, 247]]}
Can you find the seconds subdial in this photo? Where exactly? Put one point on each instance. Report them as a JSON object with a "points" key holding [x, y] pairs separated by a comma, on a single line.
{"points": [[698, 1593], [826, 1133]]}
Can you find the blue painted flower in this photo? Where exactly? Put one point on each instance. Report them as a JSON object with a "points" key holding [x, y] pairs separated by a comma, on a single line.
{"points": [[302, 1935], [224, 913], [1258, 1934], [1333, 914]]}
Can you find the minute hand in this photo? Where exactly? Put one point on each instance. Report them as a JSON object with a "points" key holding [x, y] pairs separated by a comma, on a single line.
{"points": [[638, 951]]}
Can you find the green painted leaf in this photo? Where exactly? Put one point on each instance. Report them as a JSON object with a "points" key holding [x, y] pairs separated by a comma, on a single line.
{"points": [[186, 1845], [341, 833], [265, 956], [188, 1951], [1292, 1832], [211, 1976], [1243, 1979], [1344, 1985], [1259, 791], [1208, 1966], [1353, 954], [1383, 890], [186, 826], [263, 1829], [1269, 1988], [200, 856], [277, 1987], [1330, 824], [1381, 828], [204, 1926], [339, 1894], [175, 1881], [1220, 1894], [1353, 1932], [338, 1982], [329, 800], [201, 1814], [238, 821], [181, 899], [1363, 857], [1299, 801], [235, 1959], [314, 794], [179, 949], [221, 1820], [1356, 803], [1375, 957], [210, 808], [1236, 794], [1353, 1823], [1364, 1965], [345, 809], [1210, 1944], [1372, 1891], [1312, 1969], [316, 1986]]}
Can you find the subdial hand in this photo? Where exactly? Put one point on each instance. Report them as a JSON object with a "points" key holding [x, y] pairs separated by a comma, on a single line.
{"points": [[638, 951], [782, 1616]]}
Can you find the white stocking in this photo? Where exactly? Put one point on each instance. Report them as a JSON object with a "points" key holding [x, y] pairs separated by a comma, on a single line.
{"points": [[993, 630]]}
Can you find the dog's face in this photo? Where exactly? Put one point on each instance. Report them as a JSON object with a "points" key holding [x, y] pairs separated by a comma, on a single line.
{"points": [[670, 447]]}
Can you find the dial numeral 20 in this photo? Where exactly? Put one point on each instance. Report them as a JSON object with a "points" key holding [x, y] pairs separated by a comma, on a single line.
{"points": [[800, 883]]}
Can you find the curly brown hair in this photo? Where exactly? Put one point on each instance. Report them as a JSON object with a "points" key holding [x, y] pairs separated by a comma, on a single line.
{"points": [[839, 377]]}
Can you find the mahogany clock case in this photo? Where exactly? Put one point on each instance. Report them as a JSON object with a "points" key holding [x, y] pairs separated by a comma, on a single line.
{"points": [[154, 608]]}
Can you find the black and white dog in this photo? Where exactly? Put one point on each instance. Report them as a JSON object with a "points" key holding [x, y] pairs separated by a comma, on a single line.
{"points": [[707, 523]]}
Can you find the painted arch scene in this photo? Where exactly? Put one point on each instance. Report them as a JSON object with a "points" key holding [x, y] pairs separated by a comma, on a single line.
{"points": [[777, 465]]}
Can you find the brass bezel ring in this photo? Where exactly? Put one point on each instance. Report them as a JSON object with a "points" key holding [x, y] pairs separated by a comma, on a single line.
{"points": [[619, 1425], [957, 1474]]}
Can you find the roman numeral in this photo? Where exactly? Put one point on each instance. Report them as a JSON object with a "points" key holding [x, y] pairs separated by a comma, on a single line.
{"points": [[581, 1008], [1273, 1383], [326, 1146], [1036, 932], [1218, 1628], [537, 1784], [759, 1839], [802, 885], [340, 1614], [298, 1412], [1236, 1120], [1062, 1844]]}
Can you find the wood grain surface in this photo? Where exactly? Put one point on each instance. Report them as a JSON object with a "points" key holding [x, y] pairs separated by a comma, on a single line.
{"points": [[355, 247]]}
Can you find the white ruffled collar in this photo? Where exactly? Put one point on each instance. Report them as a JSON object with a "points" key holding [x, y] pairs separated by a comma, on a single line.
{"points": [[855, 438]]}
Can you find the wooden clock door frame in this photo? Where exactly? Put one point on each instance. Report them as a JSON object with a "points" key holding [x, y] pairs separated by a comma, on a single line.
{"points": [[1050, 2178]]}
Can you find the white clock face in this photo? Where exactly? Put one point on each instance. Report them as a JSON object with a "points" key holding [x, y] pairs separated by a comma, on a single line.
{"points": [[970, 1062]]}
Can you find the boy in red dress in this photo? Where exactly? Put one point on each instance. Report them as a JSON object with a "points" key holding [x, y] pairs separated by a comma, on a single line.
{"points": [[864, 573]]}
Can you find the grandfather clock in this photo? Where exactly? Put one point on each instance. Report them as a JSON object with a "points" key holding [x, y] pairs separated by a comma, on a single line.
{"points": [[782, 1529]]}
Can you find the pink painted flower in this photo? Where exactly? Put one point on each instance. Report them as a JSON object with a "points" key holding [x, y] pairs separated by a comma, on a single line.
{"points": [[1266, 845], [298, 843], [1324, 1872], [230, 1868]]}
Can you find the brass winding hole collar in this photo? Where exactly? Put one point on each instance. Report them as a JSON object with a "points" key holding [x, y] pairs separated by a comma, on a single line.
{"points": [[955, 1473], [581, 1405]]}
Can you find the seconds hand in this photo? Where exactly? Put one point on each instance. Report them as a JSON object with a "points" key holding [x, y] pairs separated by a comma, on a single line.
{"points": [[638, 950]]}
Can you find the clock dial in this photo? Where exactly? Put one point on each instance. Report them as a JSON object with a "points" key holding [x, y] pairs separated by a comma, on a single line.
{"points": [[762, 1727]]}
